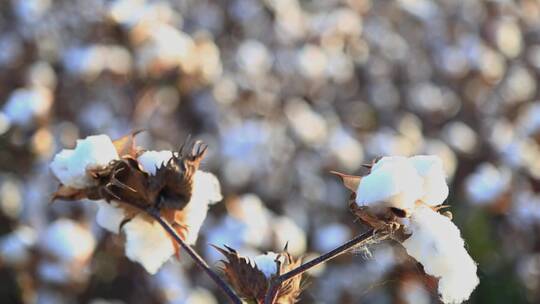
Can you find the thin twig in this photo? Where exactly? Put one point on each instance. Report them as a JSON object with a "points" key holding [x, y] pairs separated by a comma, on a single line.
{"points": [[360, 240], [154, 213]]}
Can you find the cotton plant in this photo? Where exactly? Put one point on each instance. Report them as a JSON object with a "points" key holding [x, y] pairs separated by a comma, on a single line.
{"points": [[152, 197], [403, 196]]}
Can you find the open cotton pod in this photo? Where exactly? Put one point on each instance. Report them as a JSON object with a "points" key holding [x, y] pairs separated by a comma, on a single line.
{"points": [[251, 278], [404, 196], [128, 182]]}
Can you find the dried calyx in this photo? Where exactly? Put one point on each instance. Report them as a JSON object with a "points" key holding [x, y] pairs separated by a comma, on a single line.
{"points": [[251, 278], [125, 180]]}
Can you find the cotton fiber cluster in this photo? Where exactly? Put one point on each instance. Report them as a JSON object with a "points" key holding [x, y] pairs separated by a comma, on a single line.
{"points": [[400, 182], [436, 243], [70, 166], [267, 264], [416, 185]]}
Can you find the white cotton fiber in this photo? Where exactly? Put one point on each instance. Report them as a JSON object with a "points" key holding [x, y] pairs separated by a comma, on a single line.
{"points": [[266, 263], [393, 182], [149, 160], [70, 166], [206, 191], [436, 243], [147, 243], [430, 168], [109, 215]]}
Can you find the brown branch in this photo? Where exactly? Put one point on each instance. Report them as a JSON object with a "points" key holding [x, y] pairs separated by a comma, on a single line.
{"points": [[360, 240]]}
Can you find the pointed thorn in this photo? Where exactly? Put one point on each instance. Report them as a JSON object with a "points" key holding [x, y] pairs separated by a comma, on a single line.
{"points": [[351, 182], [109, 191], [183, 146], [121, 185]]}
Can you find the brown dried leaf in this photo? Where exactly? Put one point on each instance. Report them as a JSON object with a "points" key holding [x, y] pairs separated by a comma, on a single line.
{"points": [[249, 282], [68, 193], [289, 292], [351, 182], [126, 144]]}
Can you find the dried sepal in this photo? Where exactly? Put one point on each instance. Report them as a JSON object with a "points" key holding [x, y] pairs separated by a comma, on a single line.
{"points": [[174, 179], [350, 182], [67, 193], [290, 290], [125, 145], [249, 282], [386, 219]]}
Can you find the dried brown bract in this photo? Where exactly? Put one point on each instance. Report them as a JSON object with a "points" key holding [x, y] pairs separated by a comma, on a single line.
{"points": [[252, 284], [386, 219]]}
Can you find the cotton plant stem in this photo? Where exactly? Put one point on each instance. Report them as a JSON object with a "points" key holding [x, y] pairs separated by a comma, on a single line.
{"points": [[359, 240], [154, 213]]}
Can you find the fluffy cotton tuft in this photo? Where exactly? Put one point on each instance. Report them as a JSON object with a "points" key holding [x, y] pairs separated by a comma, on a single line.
{"points": [[430, 168], [394, 182], [436, 243], [206, 191], [109, 216], [266, 263], [68, 241], [150, 160], [147, 243], [70, 166], [397, 181]]}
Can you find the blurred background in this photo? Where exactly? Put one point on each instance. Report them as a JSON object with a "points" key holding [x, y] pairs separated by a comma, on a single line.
{"points": [[282, 91]]}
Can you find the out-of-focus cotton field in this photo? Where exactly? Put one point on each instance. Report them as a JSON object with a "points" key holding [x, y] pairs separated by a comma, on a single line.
{"points": [[282, 91]]}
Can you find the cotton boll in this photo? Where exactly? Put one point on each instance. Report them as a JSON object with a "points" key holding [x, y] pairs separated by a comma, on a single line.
{"points": [[430, 168], [25, 104], [266, 263], [147, 243], [165, 47], [252, 219], [206, 191], [109, 216], [394, 182], [436, 243], [68, 241], [487, 183], [150, 160], [254, 58], [14, 247]]}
